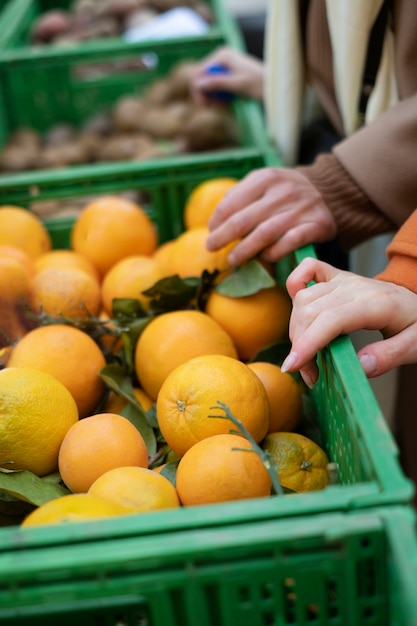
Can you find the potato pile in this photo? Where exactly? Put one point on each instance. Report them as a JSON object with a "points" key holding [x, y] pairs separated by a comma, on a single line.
{"points": [[97, 19], [163, 120]]}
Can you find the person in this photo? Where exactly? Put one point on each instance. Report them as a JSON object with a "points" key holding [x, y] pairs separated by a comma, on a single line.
{"points": [[339, 302], [339, 88], [366, 184]]}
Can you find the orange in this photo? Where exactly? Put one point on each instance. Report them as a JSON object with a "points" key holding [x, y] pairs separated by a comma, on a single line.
{"points": [[97, 444], [70, 293], [221, 468], [66, 259], [128, 279], [23, 229], [109, 229], [15, 300], [284, 393], [162, 255], [254, 322], [301, 463], [190, 257], [203, 200], [36, 412], [70, 355], [171, 339], [115, 403], [20, 255], [189, 395], [79, 507], [137, 489]]}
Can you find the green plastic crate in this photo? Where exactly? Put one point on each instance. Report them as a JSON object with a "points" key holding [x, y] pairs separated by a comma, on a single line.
{"points": [[352, 427], [42, 85], [207, 569], [22, 14], [9, 23]]}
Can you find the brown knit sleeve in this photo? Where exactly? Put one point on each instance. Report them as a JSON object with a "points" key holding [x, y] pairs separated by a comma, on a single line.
{"points": [[402, 256], [357, 218]]}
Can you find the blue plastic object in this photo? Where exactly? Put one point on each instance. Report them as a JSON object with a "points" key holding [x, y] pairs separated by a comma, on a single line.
{"points": [[222, 95]]}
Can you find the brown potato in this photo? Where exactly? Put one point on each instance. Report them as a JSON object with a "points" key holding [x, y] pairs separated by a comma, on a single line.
{"points": [[128, 114], [210, 128]]}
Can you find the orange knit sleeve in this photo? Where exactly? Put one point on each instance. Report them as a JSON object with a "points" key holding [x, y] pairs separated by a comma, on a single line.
{"points": [[402, 256]]}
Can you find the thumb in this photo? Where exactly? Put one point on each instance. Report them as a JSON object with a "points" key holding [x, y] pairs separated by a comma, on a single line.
{"points": [[380, 357]]}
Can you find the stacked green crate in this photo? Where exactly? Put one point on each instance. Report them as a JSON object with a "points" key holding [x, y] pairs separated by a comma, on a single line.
{"points": [[204, 569], [344, 556]]}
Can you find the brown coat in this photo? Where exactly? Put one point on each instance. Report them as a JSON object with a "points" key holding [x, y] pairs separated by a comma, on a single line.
{"points": [[370, 179]]}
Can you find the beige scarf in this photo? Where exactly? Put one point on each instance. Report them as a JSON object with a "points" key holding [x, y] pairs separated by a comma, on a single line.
{"points": [[286, 94]]}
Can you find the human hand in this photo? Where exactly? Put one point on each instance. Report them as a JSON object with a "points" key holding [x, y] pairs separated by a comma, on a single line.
{"points": [[341, 302], [244, 76], [273, 211]]}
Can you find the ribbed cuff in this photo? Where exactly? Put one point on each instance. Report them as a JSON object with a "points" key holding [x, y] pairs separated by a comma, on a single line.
{"points": [[357, 218], [401, 270]]}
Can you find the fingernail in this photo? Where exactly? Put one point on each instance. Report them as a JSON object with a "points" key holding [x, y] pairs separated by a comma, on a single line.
{"points": [[289, 362], [369, 364], [307, 378]]}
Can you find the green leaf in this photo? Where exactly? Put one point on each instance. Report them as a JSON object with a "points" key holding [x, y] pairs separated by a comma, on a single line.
{"points": [[170, 471], [24, 485], [139, 420], [246, 280], [127, 307], [171, 293]]}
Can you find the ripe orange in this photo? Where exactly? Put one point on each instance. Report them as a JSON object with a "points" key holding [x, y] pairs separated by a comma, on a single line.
{"points": [[203, 200], [36, 411], [66, 259], [109, 338], [23, 229], [79, 507], [162, 255], [190, 392], [109, 229], [254, 322], [128, 278], [301, 463], [284, 394], [97, 444], [20, 255], [115, 403], [171, 339], [15, 300], [70, 355], [190, 257], [70, 293], [219, 469], [137, 489]]}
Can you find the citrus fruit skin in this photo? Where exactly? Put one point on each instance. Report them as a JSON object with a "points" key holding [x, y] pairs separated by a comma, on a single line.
{"points": [[190, 257], [23, 229], [173, 338], [15, 300], [109, 229], [284, 393], [216, 469], [67, 292], [36, 412], [204, 198], [254, 322], [137, 489], [79, 507], [66, 259], [97, 444], [70, 355], [128, 278], [189, 394], [301, 463]]}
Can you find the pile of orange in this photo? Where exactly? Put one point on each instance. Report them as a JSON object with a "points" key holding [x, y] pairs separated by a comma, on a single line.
{"points": [[184, 363]]}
